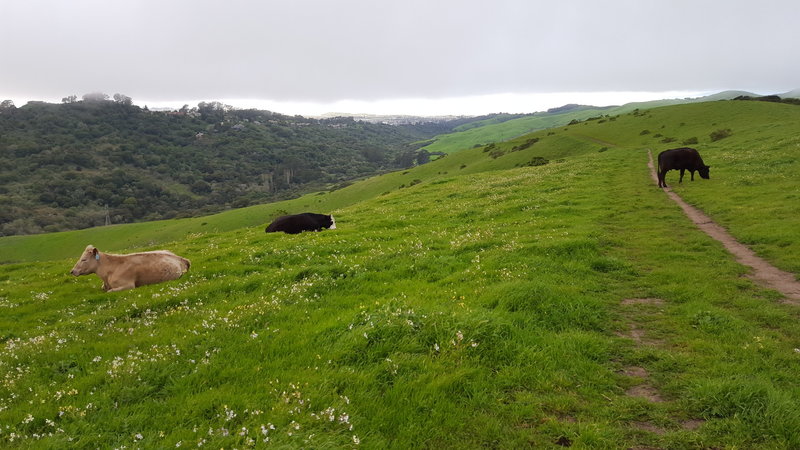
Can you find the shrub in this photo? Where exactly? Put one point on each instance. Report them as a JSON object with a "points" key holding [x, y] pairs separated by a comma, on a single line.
{"points": [[720, 134], [644, 132], [690, 141], [538, 161], [496, 153], [525, 145]]}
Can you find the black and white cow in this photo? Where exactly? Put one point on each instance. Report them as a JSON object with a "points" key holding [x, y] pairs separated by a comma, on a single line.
{"points": [[297, 223], [682, 159]]}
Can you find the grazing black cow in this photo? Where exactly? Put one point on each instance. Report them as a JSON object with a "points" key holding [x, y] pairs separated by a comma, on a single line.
{"points": [[682, 159], [297, 223]]}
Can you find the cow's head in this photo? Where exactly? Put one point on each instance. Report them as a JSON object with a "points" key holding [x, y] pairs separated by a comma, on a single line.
{"points": [[87, 263], [333, 223], [703, 171]]}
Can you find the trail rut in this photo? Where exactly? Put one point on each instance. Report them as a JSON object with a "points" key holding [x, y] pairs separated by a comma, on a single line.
{"points": [[764, 273]]}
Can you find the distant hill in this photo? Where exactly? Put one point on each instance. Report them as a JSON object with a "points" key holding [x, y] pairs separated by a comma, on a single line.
{"points": [[85, 163], [474, 135], [791, 94], [725, 95], [571, 107]]}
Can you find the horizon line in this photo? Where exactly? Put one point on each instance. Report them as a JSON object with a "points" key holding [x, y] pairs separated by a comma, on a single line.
{"points": [[472, 105]]}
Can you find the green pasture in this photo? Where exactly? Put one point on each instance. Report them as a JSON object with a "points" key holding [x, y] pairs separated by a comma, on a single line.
{"points": [[529, 295], [485, 132]]}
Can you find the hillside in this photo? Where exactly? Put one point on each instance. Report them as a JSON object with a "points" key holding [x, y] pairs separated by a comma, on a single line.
{"points": [[76, 165], [485, 132], [638, 130], [537, 293]]}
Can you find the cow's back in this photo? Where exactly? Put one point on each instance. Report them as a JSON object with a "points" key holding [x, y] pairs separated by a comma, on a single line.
{"points": [[297, 223], [679, 158], [289, 224], [155, 267]]}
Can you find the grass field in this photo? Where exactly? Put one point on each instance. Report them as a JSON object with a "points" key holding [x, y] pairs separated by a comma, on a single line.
{"points": [[476, 301], [482, 133]]}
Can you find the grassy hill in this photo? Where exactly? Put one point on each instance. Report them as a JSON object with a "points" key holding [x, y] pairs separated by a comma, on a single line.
{"points": [[485, 132], [486, 299]]}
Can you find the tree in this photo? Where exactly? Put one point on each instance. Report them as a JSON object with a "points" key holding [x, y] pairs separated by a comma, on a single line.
{"points": [[405, 159], [123, 99], [70, 99], [423, 157], [211, 112], [7, 104], [95, 97], [201, 187]]}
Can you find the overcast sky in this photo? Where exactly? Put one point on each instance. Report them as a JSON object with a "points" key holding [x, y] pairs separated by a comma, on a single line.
{"points": [[398, 56]]}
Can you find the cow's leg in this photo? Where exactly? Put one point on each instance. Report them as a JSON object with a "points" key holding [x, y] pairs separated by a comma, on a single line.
{"points": [[692, 172], [681, 179], [123, 287], [661, 181]]}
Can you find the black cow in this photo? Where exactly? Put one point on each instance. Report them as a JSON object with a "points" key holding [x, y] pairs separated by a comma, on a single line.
{"points": [[682, 159], [297, 223]]}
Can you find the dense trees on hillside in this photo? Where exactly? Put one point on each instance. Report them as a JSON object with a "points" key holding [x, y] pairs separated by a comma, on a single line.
{"points": [[61, 165]]}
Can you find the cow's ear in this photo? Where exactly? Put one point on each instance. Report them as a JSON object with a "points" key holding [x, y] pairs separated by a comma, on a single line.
{"points": [[94, 253]]}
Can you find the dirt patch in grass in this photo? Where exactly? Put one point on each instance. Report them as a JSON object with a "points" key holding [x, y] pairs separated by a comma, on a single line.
{"points": [[642, 301], [639, 372], [764, 273], [637, 335], [647, 426], [692, 424], [646, 392]]}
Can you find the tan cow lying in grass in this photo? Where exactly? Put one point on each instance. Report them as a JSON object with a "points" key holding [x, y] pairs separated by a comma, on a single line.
{"points": [[120, 272]]}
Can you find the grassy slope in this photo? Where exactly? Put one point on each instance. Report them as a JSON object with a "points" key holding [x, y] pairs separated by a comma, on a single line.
{"points": [[449, 143], [482, 133], [478, 308], [756, 128]]}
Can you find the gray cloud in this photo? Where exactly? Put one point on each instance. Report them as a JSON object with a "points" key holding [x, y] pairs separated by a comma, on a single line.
{"points": [[328, 50]]}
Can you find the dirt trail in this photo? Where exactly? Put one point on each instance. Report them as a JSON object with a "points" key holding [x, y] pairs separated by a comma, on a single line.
{"points": [[763, 272]]}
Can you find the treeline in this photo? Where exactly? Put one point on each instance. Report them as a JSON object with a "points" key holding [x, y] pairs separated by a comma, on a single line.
{"points": [[770, 98], [86, 162]]}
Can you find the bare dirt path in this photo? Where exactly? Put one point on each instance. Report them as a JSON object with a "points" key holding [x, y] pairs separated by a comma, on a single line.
{"points": [[764, 273]]}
